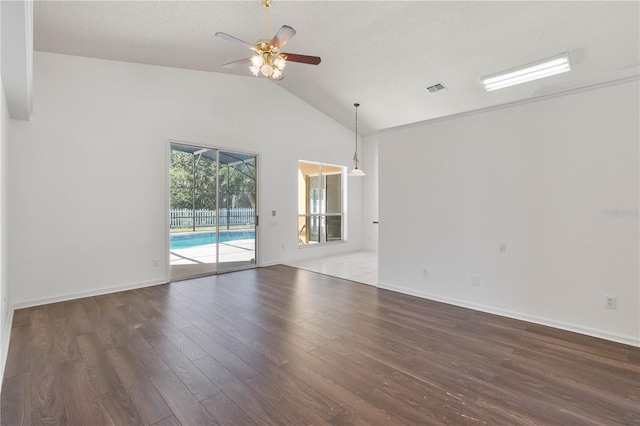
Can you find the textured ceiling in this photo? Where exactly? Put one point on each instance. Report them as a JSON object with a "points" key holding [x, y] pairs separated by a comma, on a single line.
{"points": [[381, 54]]}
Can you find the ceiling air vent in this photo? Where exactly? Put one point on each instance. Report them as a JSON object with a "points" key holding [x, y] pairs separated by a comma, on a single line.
{"points": [[435, 88]]}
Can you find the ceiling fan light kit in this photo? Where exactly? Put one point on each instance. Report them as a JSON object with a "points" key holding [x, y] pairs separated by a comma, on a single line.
{"points": [[534, 71], [268, 59], [264, 63]]}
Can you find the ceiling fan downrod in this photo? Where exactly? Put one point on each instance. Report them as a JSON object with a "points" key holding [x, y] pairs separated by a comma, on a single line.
{"points": [[267, 5]]}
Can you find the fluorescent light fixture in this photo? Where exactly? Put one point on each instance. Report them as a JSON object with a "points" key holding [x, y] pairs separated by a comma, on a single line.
{"points": [[545, 68]]}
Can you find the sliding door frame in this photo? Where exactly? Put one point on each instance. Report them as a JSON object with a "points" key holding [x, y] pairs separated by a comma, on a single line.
{"points": [[218, 149]]}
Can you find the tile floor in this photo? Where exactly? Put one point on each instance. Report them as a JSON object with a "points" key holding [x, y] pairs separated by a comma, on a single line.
{"points": [[359, 266]]}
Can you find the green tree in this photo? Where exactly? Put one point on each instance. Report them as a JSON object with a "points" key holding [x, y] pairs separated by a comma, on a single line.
{"points": [[237, 186], [237, 183]]}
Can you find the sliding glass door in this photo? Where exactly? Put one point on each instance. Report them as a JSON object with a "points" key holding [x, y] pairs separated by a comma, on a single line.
{"points": [[212, 217], [237, 207]]}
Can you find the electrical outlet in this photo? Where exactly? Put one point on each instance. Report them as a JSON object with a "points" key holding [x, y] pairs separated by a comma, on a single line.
{"points": [[610, 302], [155, 263], [425, 272], [475, 280]]}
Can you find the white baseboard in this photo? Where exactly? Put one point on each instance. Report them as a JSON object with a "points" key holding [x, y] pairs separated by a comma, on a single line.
{"points": [[266, 264], [82, 294], [627, 340]]}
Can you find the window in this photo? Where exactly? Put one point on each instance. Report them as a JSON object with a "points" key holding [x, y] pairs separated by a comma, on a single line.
{"points": [[320, 198]]}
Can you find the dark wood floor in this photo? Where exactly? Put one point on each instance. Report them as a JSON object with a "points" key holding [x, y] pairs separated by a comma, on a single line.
{"points": [[280, 345]]}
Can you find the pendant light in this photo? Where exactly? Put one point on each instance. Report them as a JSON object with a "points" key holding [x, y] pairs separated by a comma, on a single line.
{"points": [[356, 171]]}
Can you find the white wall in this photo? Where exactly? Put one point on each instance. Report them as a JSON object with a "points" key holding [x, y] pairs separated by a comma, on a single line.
{"points": [[17, 54], [5, 297], [369, 163], [5, 312], [88, 171], [523, 197]]}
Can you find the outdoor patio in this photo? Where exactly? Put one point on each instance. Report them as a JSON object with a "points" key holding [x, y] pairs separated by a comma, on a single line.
{"points": [[200, 260]]}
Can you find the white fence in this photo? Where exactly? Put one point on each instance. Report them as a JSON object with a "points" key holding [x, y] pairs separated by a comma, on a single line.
{"points": [[187, 218]]}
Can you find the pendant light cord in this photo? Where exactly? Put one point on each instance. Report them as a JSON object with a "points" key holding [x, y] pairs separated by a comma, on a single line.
{"points": [[356, 171], [355, 155]]}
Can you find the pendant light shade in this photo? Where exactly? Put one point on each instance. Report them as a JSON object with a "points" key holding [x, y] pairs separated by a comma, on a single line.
{"points": [[356, 171]]}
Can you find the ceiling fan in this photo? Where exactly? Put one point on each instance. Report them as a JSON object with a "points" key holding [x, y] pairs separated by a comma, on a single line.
{"points": [[268, 59]]}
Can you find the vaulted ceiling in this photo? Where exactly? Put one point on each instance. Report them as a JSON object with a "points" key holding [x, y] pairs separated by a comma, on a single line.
{"points": [[382, 54]]}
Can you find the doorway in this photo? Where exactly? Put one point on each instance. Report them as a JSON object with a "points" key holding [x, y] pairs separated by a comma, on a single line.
{"points": [[212, 211]]}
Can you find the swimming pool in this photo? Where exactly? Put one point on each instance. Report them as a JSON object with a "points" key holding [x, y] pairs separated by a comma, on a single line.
{"points": [[193, 239]]}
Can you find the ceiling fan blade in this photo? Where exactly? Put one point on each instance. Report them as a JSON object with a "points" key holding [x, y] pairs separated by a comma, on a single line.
{"points": [[303, 59], [232, 39], [237, 63], [282, 36]]}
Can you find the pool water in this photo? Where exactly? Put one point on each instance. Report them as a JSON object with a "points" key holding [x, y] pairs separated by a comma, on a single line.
{"points": [[194, 239]]}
